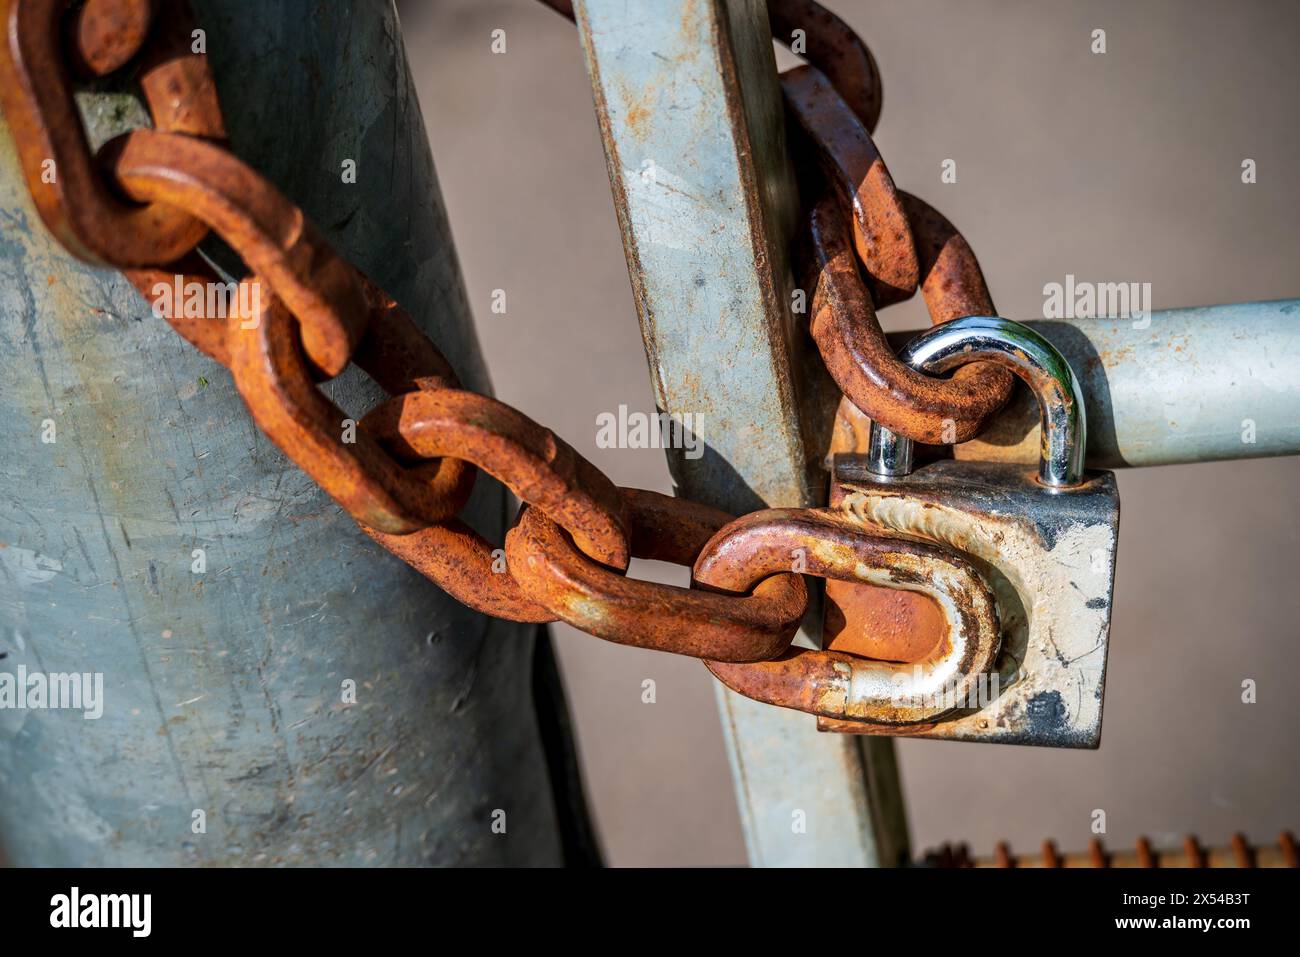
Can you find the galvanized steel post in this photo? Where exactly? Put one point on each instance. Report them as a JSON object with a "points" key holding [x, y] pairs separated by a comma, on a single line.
{"points": [[692, 122], [277, 689]]}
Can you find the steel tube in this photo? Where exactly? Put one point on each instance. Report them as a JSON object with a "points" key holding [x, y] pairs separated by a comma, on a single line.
{"points": [[1185, 385]]}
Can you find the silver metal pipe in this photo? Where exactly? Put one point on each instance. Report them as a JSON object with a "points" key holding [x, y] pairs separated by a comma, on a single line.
{"points": [[1183, 385]]}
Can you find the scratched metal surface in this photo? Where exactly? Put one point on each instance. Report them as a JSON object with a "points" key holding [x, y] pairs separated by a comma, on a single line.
{"points": [[223, 689], [691, 119]]}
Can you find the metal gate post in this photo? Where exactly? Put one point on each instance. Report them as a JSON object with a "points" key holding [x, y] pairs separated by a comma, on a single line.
{"points": [[227, 734], [693, 129]]}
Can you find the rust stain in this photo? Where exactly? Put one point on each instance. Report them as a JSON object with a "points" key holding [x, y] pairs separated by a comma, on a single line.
{"points": [[881, 623]]}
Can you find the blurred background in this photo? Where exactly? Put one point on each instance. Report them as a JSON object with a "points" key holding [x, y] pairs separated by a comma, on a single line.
{"points": [[1116, 167]]}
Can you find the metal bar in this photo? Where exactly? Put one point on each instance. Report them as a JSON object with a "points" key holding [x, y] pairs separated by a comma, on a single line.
{"points": [[1184, 385], [692, 124]]}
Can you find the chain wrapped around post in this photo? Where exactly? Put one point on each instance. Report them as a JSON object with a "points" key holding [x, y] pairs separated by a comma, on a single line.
{"points": [[146, 200]]}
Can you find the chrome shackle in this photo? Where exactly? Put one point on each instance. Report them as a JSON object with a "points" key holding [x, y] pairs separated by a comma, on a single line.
{"points": [[1028, 355]]}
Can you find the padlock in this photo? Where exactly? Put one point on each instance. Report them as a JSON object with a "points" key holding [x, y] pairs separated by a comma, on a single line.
{"points": [[1044, 542]]}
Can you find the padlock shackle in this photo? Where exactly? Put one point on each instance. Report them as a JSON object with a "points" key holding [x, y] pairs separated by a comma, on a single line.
{"points": [[1028, 355]]}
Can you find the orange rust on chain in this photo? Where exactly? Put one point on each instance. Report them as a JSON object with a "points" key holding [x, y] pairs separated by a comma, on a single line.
{"points": [[277, 384], [176, 82], [831, 46], [860, 179], [825, 544], [272, 235], [78, 207], [801, 679], [395, 352], [459, 561], [401, 359], [857, 354], [1240, 853], [732, 627], [952, 282], [528, 458], [899, 241], [105, 34]]}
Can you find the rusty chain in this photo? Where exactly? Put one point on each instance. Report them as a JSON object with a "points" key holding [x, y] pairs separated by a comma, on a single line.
{"points": [[146, 200]]}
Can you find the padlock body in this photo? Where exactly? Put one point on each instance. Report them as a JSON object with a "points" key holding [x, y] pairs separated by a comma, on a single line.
{"points": [[1049, 556]]}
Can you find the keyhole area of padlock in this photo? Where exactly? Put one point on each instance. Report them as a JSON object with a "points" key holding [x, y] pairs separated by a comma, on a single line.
{"points": [[886, 624]]}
